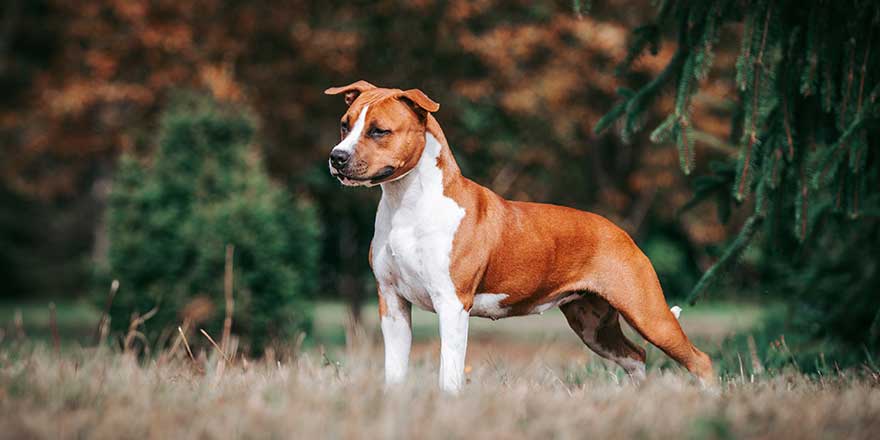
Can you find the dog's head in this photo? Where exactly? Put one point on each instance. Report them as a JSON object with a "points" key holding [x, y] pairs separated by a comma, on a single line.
{"points": [[382, 132]]}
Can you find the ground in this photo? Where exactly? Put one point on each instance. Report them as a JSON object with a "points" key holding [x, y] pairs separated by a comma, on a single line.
{"points": [[527, 378]]}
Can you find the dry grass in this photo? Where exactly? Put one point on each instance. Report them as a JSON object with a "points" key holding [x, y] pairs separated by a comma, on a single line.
{"points": [[549, 394], [528, 378]]}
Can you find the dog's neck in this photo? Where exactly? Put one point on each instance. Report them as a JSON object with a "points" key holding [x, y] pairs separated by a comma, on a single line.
{"points": [[435, 171]]}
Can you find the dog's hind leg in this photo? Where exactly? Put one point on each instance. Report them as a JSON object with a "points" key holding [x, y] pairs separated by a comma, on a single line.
{"points": [[598, 325], [639, 299]]}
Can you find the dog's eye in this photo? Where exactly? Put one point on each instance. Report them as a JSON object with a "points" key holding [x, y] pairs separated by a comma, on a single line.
{"points": [[343, 127], [377, 132]]}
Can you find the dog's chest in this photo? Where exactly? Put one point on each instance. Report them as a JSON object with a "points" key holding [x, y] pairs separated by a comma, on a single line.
{"points": [[412, 248]]}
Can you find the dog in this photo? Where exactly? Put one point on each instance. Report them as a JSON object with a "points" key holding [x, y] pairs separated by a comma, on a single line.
{"points": [[453, 247]]}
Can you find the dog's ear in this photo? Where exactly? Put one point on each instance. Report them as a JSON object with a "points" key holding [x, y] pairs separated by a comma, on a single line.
{"points": [[419, 101], [352, 91]]}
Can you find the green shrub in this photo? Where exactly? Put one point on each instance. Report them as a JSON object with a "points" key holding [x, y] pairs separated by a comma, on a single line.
{"points": [[673, 264], [169, 221]]}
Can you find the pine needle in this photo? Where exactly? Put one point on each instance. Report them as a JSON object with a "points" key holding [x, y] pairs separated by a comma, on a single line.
{"points": [[734, 250]]}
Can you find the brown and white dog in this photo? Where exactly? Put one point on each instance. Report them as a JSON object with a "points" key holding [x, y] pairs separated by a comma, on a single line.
{"points": [[451, 246]]}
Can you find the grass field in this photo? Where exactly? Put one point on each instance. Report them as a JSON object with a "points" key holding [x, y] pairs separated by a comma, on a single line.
{"points": [[527, 378]]}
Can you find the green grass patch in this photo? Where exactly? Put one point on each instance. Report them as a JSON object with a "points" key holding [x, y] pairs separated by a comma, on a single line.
{"points": [[76, 320]]}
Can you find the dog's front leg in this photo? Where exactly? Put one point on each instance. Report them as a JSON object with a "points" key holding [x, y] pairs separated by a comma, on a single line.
{"points": [[453, 342], [395, 319]]}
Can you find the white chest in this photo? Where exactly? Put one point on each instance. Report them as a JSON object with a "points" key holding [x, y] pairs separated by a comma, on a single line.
{"points": [[415, 228]]}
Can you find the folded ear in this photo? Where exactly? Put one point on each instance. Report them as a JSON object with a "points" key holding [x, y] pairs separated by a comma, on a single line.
{"points": [[352, 91], [420, 101]]}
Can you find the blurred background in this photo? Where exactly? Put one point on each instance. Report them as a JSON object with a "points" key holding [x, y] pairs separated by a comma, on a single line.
{"points": [[140, 139]]}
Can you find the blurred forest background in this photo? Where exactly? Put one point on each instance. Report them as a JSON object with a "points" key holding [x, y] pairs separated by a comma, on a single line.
{"points": [[130, 129]]}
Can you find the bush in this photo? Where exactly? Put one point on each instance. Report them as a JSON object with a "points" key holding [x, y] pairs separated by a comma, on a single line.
{"points": [[170, 220]]}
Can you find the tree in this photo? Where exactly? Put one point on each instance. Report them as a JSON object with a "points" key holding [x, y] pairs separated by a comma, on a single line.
{"points": [[806, 132], [170, 221]]}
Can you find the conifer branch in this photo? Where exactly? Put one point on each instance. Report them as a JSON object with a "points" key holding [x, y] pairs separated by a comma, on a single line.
{"points": [[803, 205], [686, 153], [864, 70], [786, 124], [756, 84], [849, 80], [635, 104], [855, 209], [775, 171], [734, 250]]}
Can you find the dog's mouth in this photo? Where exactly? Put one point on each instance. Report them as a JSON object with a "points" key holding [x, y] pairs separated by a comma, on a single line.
{"points": [[375, 179]]}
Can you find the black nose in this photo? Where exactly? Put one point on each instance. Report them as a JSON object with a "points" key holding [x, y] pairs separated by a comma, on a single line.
{"points": [[339, 158]]}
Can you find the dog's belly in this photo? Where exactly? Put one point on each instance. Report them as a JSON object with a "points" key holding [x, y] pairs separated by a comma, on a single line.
{"points": [[496, 306]]}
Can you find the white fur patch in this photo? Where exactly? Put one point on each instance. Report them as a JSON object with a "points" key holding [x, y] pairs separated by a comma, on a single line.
{"points": [[488, 305], [634, 368], [541, 308], [676, 310], [350, 142]]}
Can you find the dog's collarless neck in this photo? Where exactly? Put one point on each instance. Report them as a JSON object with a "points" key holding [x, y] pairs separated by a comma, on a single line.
{"points": [[434, 172]]}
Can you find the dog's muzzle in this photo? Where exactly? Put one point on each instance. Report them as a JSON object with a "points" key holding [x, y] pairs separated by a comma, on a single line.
{"points": [[339, 172]]}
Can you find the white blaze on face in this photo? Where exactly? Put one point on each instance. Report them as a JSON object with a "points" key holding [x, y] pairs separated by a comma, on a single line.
{"points": [[350, 142]]}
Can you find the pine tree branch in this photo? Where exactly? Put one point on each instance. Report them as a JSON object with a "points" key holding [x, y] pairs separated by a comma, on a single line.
{"points": [[839, 197], [734, 250], [864, 70], [803, 208], [849, 80], [635, 104], [756, 85], [855, 208], [786, 124], [685, 152], [644, 94]]}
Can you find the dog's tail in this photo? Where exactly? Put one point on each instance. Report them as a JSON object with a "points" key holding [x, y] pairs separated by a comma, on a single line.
{"points": [[676, 310]]}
